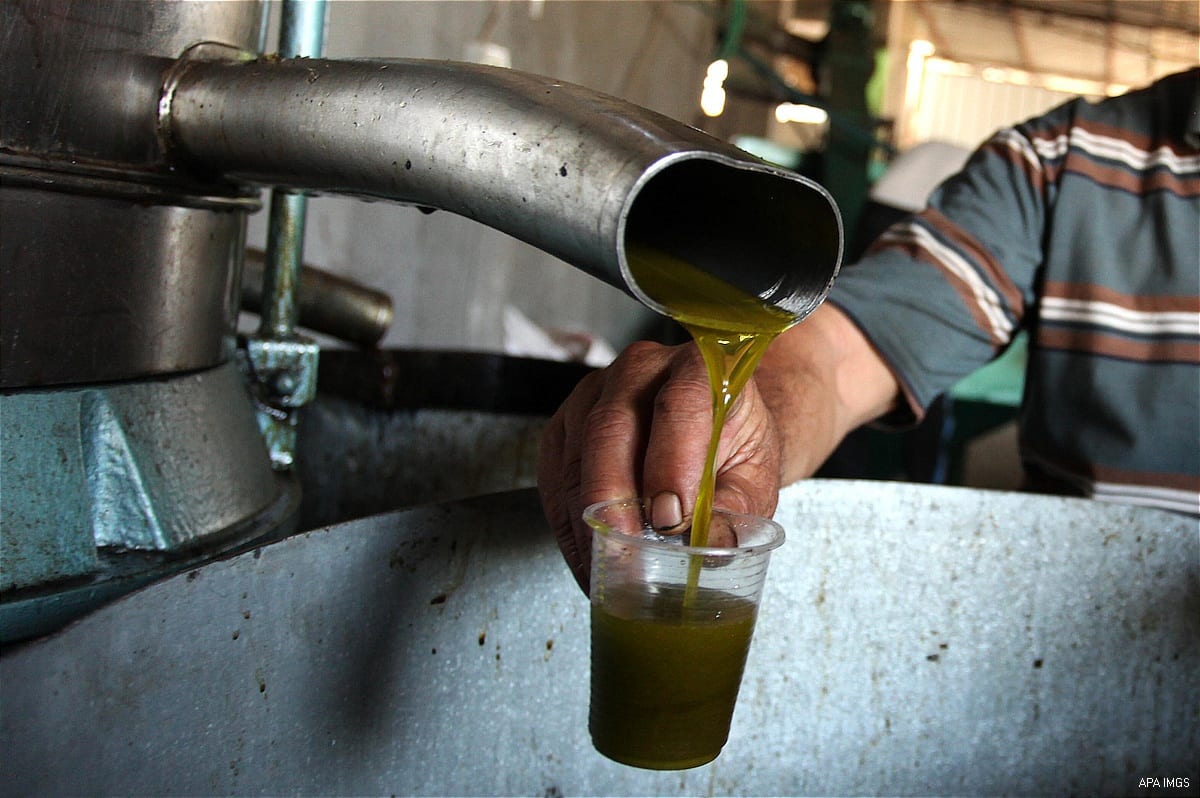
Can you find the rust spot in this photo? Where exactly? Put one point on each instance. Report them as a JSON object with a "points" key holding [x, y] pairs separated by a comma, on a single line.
{"points": [[482, 638]]}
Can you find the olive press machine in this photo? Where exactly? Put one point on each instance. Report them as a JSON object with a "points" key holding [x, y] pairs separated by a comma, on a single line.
{"points": [[139, 437]]}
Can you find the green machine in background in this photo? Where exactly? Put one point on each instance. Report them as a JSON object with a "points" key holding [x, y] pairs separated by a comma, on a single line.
{"points": [[843, 65], [849, 61]]}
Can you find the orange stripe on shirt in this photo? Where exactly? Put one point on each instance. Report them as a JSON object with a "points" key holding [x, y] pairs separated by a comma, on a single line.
{"points": [[1071, 339]]}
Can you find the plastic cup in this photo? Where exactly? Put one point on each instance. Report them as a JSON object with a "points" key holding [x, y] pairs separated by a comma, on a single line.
{"points": [[671, 627]]}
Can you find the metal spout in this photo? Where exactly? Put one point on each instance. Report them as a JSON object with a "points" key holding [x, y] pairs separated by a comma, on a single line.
{"points": [[571, 171]]}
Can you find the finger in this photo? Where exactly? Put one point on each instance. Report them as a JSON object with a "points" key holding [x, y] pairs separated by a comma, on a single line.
{"points": [[559, 474], [721, 532], [590, 449], [678, 441], [748, 476], [617, 426], [748, 488]]}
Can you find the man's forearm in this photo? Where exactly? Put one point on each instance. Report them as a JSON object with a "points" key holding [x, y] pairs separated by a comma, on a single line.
{"points": [[822, 379]]}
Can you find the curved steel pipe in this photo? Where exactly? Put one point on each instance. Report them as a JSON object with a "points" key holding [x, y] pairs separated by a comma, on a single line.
{"points": [[574, 172]]}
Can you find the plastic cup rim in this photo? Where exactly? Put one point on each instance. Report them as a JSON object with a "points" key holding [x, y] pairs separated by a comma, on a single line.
{"points": [[776, 540]]}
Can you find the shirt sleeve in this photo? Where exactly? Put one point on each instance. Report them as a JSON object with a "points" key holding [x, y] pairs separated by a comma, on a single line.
{"points": [[943, 292]]}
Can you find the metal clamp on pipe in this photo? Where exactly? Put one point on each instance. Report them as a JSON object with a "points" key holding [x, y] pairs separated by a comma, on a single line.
{"points": [[281, 365]]}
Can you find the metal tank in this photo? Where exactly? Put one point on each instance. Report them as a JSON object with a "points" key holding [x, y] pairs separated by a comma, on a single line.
{"points": [[138, 437], [913, 640], [130, 447]]}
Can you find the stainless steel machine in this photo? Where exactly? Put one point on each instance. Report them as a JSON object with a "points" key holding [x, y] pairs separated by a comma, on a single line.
{"points": [[139, 438]]}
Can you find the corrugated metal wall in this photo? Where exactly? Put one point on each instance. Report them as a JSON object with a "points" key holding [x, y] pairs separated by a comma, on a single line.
{"points": [[985, 65], [961, 106]]}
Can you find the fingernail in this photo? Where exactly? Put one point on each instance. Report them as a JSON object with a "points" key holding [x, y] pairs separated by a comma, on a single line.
{"points": [[666, 512]]}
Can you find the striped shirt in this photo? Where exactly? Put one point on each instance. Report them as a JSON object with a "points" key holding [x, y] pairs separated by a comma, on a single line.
{"points": [[1081, 226]]}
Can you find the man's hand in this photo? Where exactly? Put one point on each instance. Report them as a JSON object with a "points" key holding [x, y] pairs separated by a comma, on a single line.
{"points": [[641, 427]]}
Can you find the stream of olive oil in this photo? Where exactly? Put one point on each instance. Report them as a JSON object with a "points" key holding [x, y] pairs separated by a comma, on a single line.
{"points": [[731, 328]]}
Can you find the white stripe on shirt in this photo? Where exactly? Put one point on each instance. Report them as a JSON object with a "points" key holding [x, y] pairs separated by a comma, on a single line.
{"points": [[1140, 160], [985, 296], [1115, 317], [1031, 152], [1107, 147], [1184, 501]]}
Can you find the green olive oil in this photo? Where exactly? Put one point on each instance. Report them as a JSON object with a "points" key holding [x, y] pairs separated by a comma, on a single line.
{"points": [[664, 686]]}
